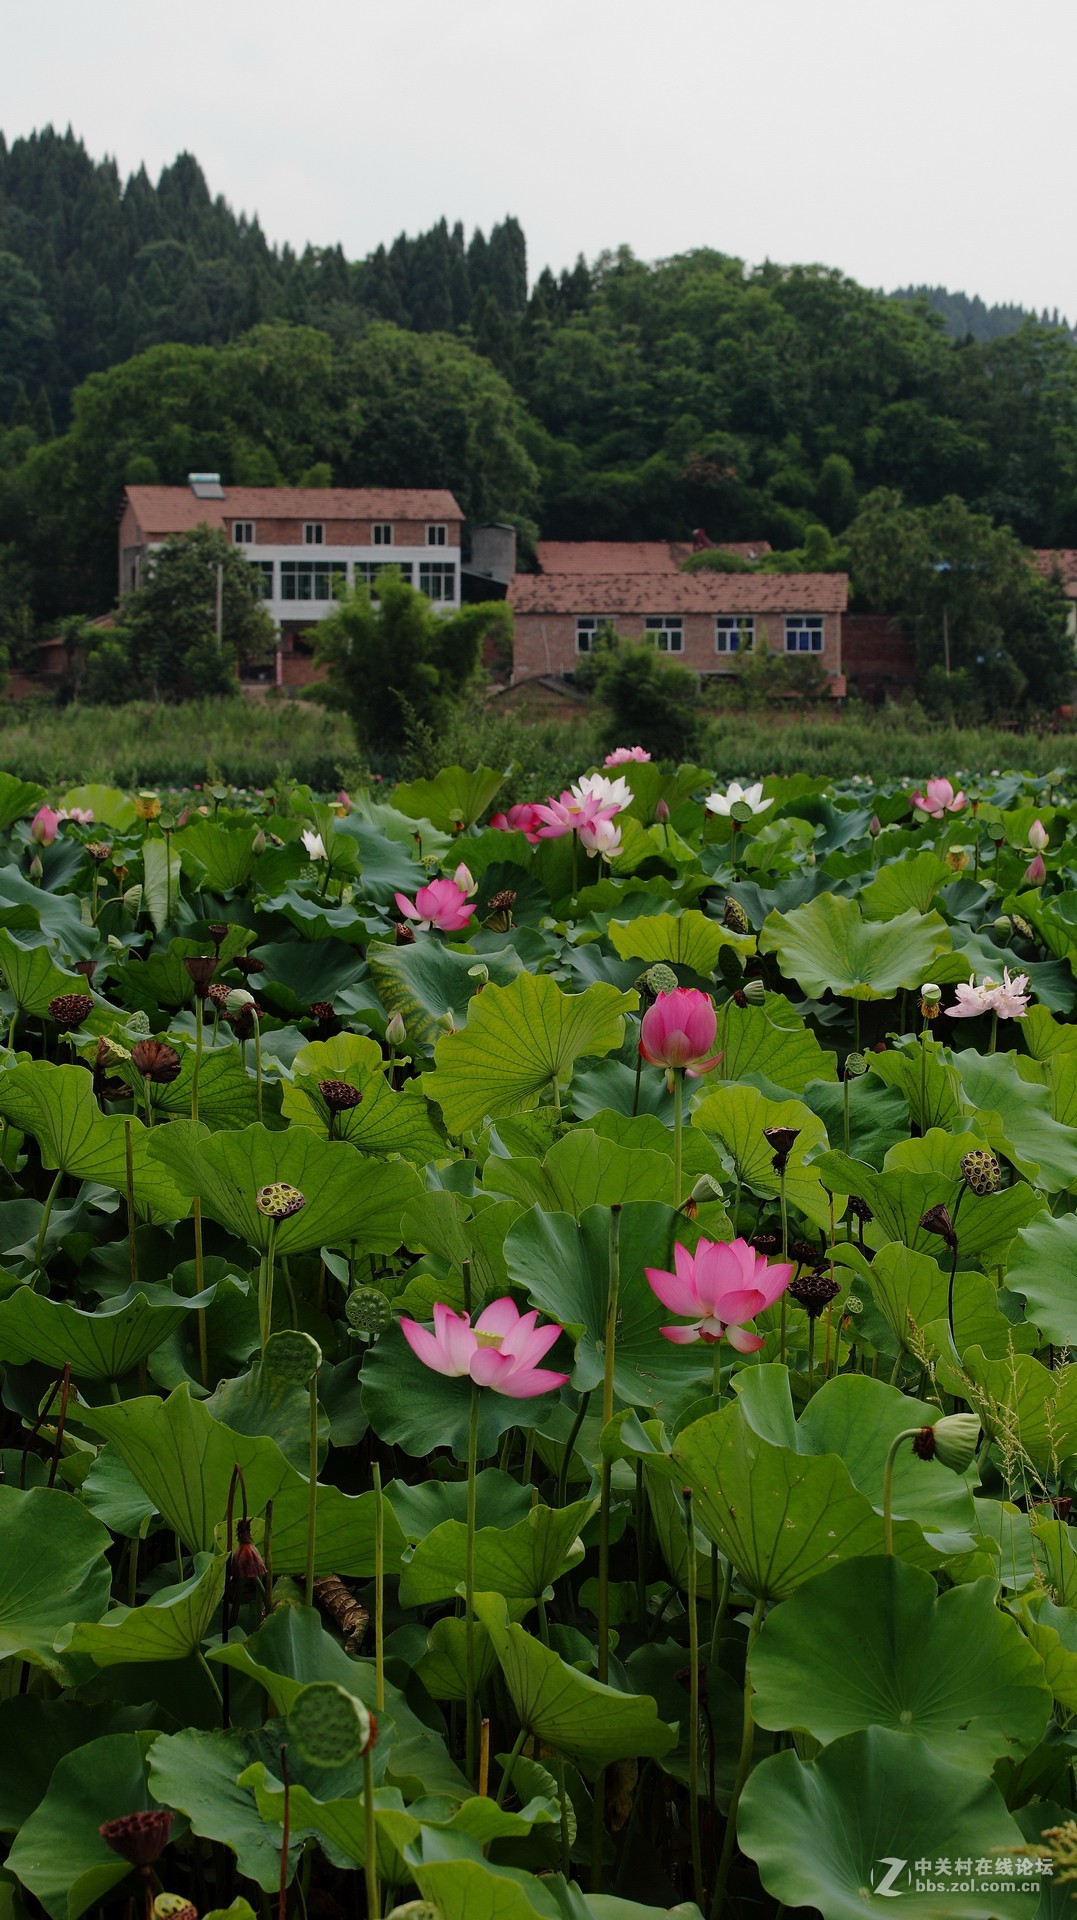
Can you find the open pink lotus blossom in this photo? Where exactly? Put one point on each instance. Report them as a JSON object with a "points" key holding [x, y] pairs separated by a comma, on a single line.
{"points": [[525, 818], [1036, 871], [1007, 998], [604, 838], [82, 816], [440, 904], [621, 754], [939, 798], [44, 826], [679, 1031], [719, 1287], [501, 1350], [571, 812], [1038, 836]]}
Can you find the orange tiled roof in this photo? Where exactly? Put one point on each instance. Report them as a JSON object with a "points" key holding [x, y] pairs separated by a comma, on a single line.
{"points": [[1046, 559], [630, 556], [164, 510], [641, 593]]}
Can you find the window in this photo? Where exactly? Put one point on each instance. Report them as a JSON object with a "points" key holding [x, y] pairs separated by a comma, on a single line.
{"points": [[804, 633], [369, 571], [309, 579], [668, 632], [243, 533], [435, 536], [586, 632], [313, 533], [383, 533], [734, 633], [437, 580], [263, 572]]}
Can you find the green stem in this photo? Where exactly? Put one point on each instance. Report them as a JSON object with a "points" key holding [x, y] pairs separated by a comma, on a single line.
{"points": [[199, 1012], [693, 1695], [719, 1602], [575, 864], [39, 1250], [845, 1106], [923, 1079], [12, 1024], [785, 1254], [265, 1316], [379, 1592], [635, 1090], [472, 1748], [994, 1032], [678, 1103], [129, 1176], [907, 1433], [744, 1764], [209, 1673], [312, 1491], [811, 1353], [370, 1862], [612, 1291], [510, 1767], [257, 1062], [573, 1436], [199, 1283]]}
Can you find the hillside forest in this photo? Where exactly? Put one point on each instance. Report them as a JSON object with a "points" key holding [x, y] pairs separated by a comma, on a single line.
{"points": [[147, 330]]}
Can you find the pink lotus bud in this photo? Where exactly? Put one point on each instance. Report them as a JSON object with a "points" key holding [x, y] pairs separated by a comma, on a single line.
{"points": [[465, 882], [679, 1031], [1036, 872], [44, 826], [661, 813], [36, 869], [1038, 836]]}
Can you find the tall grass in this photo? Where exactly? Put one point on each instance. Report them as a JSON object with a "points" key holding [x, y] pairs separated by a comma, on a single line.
{"points": [[247, 743]]}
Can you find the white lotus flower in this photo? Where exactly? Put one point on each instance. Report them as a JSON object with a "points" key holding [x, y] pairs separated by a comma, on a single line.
{"points": [[314, 844], [598, 786], [748, 796]]}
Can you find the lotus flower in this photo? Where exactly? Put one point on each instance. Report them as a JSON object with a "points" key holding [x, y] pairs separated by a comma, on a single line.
{"points": [[599, 786], [1007, 998], [501, 1350], [604, 838], [723, 803], [465, 882], [679, 1031], [1010, 999], [571, 812], [314, 844], [44, 826], [622, 754], [440, 904], [525, 819], [718, 1288], [1038, 836], [1036, 872], [938, 799], [82, 816]]}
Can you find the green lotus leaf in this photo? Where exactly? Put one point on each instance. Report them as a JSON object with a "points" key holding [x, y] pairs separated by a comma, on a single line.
{"points": [[340, 1823], [1043, 1269], [227, 1094], [577, 1716], [680, 939], [856, 1418], [409, 1406], [902, 1193], [911, 882], [444, 1223], [563, 1265], [737, 1115], [479, 1890], [52, 1570], [17, 799], [518, 1562], [1022, 1402], [170, 1626], [909, 1289], [828, 946], [1052, 1631], [348, 1198], [500, 1501], [929, 1082], [215, 854], [385, 1123], [953, 1670], [426, 980], [57, 1105], [1039, 1146], [1045, 1037], [110, 806], [842, 1836], [184, 1460], [582, 1170], [456, 798], [199, 1773], [31, 976], [772, 1041], [59, 1855], [443, 1667], [102, 1345], [520, 1041], [161, 874]]}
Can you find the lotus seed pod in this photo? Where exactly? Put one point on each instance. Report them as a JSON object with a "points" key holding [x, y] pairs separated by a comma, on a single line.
{"points": [[952, 1441], [859, 1209], [238, 998], [706, 1188], [937, 1220], [755, 993], [339, 1097], [294, 1356], [981, 1171], [279, 1201], [69, 1010], [930, 994], [1002, 927], [416, 1910], [740, 812], [661, 979], [139, 1838], [330, 1726], [173, 1906], [137, 1024], [368, 1311], [480, 973], [814, 1291], [855, 1065], [1023, 927], [734, 916]]}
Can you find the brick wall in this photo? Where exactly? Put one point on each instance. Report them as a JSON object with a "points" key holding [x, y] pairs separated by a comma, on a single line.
{"points": [[877, 656], [546, 643], [350, 533]]}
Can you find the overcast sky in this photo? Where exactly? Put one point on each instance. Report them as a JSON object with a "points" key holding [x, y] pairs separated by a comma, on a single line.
{"points": [[922, 141]]}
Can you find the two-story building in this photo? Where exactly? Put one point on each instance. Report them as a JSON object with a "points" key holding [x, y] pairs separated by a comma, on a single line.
{"points": [[705, 620], [302, 541]]}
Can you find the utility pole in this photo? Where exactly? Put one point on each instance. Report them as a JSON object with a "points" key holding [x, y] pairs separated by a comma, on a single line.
{"points": [[220, 605]]}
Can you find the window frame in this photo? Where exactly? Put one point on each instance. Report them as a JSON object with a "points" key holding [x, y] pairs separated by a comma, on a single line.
{"points": [[444, 567], [588, 626], [805, 633], [243, 532], [437, 534], [738, 627], [381, 533], [666, 630], [318, 574], [314, 533], [266, 572], [368, 572]]}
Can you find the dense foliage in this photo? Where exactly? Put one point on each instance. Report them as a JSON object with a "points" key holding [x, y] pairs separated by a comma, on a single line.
{"points": [[302, 1598]]}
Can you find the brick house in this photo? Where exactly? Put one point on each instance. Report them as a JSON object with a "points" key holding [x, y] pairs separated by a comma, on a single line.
{"points": [[706, 620], [301, 540]]}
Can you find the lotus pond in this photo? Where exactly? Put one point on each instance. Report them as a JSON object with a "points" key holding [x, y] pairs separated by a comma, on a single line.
{"points": [[535, 1351]]}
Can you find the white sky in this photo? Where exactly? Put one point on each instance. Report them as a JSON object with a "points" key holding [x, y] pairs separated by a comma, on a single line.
{"points": [[916, 141]]}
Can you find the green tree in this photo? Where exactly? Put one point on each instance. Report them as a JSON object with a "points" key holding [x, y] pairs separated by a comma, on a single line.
{"points": [[398, 665], [166, 630], [648, 701], [979, 613]]}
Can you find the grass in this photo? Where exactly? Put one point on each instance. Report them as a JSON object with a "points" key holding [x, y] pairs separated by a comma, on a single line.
{"points": [[257, 743]]}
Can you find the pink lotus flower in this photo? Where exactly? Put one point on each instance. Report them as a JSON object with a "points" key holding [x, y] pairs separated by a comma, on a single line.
{"points": [[572, 811], [679, 1031], [599, 786], [719, 1287], [604, 838], [939, 798], [1036, 872], [501, 1350], [1038, 836], [620, 754], [82, 816], [464, 879], [44, 826], [441, 904], [1008, 998], [525, 819]]}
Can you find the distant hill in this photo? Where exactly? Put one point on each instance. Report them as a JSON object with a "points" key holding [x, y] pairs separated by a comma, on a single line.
{"points": [[966, 314]]}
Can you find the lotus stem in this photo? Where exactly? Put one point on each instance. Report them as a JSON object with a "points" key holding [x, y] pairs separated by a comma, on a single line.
{"points": [[472, 1740], [845, 1107], [693, 1694], [379, 1598], [312, 1490], [907, 1433], [612, 1290], [510, 1766], [129, 1176], [199, 1284], [994, 1032], [50, 1202], [744, 1765], [282, 1890], [678, 1120], [199, 1015], [785, 1257], [257, 1062], [719, 1603], [953, 1272], [635, 1090], [573, 1436], [265, 1310]]}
